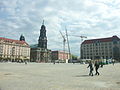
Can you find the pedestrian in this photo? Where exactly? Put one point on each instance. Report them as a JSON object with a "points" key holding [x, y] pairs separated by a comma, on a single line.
{"points": [[113, 62], [97, 67], [26, 62], [91, 68], [54, 62]]}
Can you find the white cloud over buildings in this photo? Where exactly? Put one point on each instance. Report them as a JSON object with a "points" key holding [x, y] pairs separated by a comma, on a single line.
{"points": [[92, 18]]}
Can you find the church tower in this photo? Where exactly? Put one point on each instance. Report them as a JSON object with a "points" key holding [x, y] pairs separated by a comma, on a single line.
{"points": [[42, 41], [40, 53]]}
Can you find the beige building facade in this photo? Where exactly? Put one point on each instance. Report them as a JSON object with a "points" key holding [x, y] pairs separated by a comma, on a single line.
{"points": [[103, 48], [14, 50]]}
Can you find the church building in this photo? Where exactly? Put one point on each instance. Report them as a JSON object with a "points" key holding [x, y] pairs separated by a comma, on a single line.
{"points": [[39, 52]]}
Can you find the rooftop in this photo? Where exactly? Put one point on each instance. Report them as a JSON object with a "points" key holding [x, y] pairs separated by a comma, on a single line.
{"points": [[109, 39], [12, 40]]}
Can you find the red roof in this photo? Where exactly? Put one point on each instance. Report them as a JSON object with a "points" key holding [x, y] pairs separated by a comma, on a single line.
{"points": [[109, 39], [11, 40]]}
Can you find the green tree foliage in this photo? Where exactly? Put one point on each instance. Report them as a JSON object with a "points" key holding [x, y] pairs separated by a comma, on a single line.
{"points": [[74, 57]]}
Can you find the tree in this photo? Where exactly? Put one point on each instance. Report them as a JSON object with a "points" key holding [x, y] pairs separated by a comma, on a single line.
{"points": [[74, 57]]}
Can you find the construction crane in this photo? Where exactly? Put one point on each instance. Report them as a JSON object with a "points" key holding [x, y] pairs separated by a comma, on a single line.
{"points": [[68, 44], [64, 40], [80, 42], [79, 36]]}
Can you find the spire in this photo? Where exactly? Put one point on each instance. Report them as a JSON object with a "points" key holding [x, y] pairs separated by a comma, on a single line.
{"points": [[43, 26], [43, 22]]}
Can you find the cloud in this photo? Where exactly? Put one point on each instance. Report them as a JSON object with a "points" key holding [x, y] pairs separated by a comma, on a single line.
{"points": [[91, 18]]}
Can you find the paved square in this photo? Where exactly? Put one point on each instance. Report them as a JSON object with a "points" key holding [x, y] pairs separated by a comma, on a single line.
{"points": [[47, 76]]}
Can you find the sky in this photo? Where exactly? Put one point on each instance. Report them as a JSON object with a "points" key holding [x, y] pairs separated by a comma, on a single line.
{"points": [[90, 18]]}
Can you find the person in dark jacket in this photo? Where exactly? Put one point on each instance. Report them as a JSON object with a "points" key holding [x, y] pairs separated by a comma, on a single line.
{"points": [[97, 65], [26, 62], [91, 68]]}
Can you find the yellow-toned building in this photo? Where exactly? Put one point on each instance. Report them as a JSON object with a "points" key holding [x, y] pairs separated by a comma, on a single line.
{"points": [[14, 50]]}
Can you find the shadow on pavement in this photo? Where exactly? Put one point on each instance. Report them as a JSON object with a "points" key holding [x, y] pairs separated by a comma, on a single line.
{"points": [[118, 82], [82, 76]]}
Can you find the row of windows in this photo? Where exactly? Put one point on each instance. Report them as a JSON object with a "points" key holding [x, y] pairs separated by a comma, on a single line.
{"points": [[97, 51], [89, 51], [13, 51], [104, 57], [97, 44], [97, 48], [98, 54]]}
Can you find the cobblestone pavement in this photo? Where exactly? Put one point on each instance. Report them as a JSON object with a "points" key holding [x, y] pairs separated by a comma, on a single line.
{"points": [[41, 76]]}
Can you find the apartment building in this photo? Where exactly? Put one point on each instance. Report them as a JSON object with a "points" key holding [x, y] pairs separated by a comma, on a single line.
{"points": [[102, 48], [14, 50]]}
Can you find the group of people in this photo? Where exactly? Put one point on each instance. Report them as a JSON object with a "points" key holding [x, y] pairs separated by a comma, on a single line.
{"points": [[96, 66]]}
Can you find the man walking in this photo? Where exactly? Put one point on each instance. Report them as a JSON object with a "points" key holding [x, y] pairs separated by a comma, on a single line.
{"points": [[97, 67], [91, 68]]}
